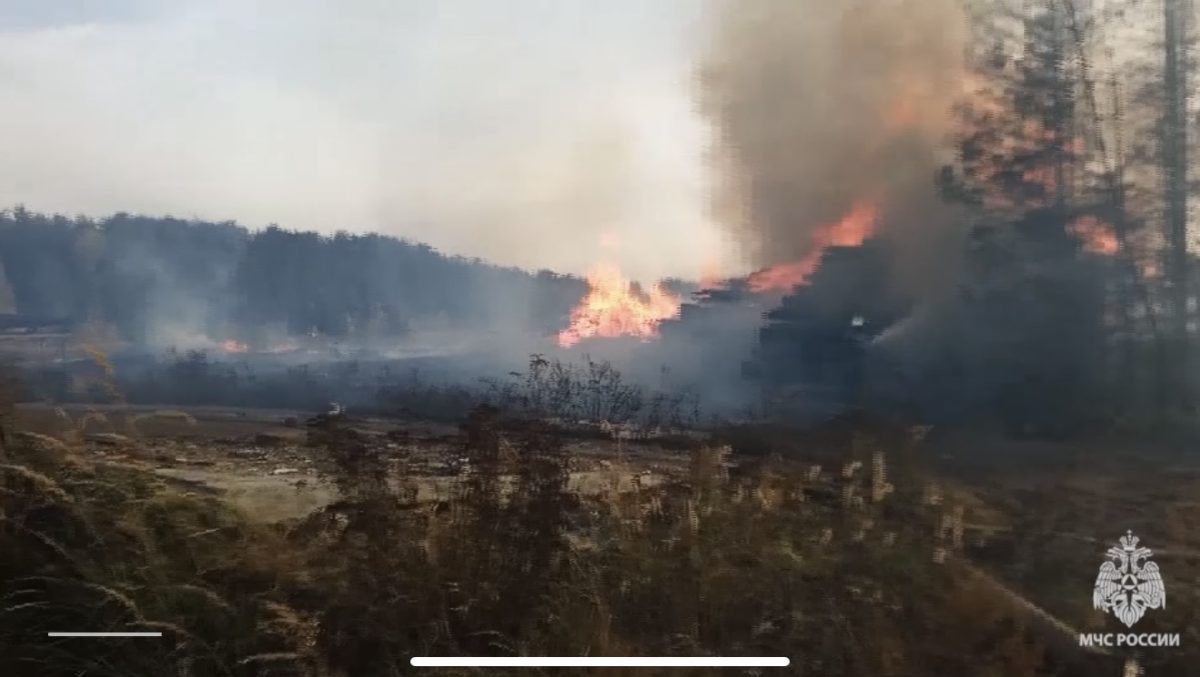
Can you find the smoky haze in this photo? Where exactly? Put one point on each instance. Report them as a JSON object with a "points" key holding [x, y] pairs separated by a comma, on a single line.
{"points": [[523, 133], [812, 108], [818, 105]]}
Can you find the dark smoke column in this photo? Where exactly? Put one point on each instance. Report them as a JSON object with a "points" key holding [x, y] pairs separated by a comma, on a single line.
{"points": [[817, 106]]}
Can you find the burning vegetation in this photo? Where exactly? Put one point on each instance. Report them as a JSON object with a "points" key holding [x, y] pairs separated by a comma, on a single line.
{"points": [[614, 306], [849, 231], [1096, 236], [970, 273]]}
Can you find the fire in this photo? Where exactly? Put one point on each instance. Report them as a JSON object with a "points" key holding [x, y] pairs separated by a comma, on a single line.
{"points": [[234, 346], [783, 276], [1097, 236], [613, 306], [850, 231]]}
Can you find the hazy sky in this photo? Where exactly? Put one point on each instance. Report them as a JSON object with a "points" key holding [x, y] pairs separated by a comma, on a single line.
{"points": [[541, 133]]}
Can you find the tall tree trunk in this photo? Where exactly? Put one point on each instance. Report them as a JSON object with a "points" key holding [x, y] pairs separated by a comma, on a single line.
{"points": [[1131, 290], [1062, 109], [1174, 158]]}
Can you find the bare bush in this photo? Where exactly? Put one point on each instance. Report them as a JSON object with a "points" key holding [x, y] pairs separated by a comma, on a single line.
{"points": [[591, 392]]}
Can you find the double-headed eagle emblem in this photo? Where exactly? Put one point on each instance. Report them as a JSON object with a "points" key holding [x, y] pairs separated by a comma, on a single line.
{"points": [[1129, 583]]}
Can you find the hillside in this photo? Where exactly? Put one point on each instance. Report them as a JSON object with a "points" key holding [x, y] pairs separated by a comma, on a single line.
{"points": [[156, 279]]}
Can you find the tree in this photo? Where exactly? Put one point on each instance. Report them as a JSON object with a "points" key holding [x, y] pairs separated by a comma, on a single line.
{"points": [[1173, 145]]}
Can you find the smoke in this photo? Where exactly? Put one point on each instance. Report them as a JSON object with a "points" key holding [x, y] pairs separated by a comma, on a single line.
{"points": [[518, 132], [817, 105], [8, 303]]}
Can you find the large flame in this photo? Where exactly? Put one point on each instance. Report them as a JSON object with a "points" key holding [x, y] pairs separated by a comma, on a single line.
{"points": [[613, 306], [1097, 236], [850, 231]]}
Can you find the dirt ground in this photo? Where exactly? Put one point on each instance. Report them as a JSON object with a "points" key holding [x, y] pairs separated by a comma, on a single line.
{"points": [[1036, 518], [257, 459]]}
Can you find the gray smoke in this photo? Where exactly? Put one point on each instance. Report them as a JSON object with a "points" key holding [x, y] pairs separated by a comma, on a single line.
{"points": [[817, 105], [8, 303]]}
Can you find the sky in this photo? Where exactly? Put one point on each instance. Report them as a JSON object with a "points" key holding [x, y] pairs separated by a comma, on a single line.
{"points": [[538, 133]]}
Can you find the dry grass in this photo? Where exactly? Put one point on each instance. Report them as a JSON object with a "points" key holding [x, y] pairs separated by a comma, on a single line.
{"points": [[98, 547], [767, 562]]}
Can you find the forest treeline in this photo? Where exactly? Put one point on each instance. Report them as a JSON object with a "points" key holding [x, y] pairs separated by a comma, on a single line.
{"points": [[1075, 121], [153, 278]]}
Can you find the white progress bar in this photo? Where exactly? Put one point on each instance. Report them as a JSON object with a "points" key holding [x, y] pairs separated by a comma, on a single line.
{"points": [[600, 662], [104, 634]]}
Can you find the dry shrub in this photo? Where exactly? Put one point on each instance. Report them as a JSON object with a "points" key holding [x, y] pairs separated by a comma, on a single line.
{"points": [[106, 547], [8, 399], [763, 562]]}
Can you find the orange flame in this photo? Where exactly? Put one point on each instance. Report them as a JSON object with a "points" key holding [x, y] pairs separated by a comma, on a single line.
{"points": [[850, 231], [1097, 236], [234, 346], [614, 306]]}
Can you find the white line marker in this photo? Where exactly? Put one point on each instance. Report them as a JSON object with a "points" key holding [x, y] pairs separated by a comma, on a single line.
{"points": [[104, 634], [600, 662]]}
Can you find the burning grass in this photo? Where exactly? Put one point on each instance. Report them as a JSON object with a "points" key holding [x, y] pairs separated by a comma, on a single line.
{"points": [[614, 306], [851, 230]]}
